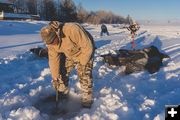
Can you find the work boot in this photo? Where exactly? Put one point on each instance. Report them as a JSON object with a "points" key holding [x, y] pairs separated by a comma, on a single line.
{"points": [[86, 100]]}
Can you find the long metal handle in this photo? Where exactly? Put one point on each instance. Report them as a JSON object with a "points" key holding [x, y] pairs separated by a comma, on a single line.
{"points": [[57, 95]]}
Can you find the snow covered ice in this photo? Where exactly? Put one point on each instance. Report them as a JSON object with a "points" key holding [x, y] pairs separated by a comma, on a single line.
{"points": [[25, 80]]}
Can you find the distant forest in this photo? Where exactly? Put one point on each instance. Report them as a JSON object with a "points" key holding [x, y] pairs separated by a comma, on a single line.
{"points": [[67, 11]]}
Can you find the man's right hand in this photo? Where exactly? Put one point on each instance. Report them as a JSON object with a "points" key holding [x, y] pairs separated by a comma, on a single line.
{"points": [[60, 86]]}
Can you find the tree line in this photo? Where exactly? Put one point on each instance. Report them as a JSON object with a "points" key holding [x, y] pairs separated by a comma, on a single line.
{"points": [[67, 11]]}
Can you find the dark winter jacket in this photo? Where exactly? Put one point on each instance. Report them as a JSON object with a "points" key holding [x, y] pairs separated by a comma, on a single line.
{"points": [[104, 28]]}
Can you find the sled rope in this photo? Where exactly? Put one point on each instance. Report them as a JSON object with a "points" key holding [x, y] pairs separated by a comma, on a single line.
{"points": [[115, 76], [19, 45]]}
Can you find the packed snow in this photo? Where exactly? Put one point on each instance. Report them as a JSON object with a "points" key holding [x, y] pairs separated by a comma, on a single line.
{"points": [[26, 92]]}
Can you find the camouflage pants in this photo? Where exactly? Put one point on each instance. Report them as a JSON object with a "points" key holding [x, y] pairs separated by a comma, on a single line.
{"points": [[85, 76]]}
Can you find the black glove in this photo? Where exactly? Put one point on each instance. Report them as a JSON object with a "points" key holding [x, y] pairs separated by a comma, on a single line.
{"points": [[40, 52]]}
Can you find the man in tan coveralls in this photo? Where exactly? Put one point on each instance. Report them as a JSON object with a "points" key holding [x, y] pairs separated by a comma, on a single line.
{"points": [[69, 44]]}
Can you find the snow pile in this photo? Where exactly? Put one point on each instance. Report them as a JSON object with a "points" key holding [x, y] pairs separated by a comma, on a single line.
{"points": [[26, 92], [29, 113]]}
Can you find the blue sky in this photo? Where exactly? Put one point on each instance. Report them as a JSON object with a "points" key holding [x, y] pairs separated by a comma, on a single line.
{"points": [[138, 9]]}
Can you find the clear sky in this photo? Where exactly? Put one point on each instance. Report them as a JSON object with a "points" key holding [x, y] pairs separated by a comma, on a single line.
{"points": [[138, 9]]}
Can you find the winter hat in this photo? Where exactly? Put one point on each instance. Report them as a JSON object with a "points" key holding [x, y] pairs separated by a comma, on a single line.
{"points": [[48, 34]]}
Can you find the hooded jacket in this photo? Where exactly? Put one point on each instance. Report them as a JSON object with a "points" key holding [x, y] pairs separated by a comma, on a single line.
{"points": [[74, 41]]}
